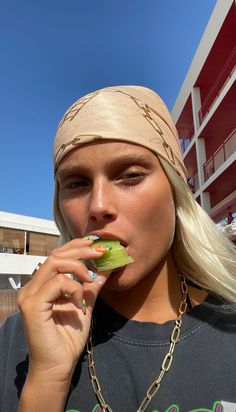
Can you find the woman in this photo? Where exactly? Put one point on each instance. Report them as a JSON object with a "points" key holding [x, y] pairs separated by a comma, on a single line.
{"points": [[162, 336]]}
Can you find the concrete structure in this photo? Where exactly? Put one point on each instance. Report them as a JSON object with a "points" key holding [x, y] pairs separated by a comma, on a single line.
{"points": [[205, 117], [24, 242]]}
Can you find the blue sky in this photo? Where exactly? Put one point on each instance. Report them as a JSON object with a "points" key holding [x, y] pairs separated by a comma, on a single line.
{"points": [[52, 52]]}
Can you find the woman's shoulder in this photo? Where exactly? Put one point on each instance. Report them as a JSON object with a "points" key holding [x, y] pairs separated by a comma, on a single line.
{"points": [[217, 316], [227, 317]]}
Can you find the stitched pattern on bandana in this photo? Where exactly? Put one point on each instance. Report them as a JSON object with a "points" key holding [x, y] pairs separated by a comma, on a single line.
{"points": [[75, 142], [147, 113], [76, 107]]}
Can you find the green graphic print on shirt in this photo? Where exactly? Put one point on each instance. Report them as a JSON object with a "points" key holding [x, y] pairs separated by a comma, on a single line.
{"points": [[217, 407]]}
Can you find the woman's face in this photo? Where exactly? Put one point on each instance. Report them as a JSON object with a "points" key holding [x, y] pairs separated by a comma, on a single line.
{"points": [[119, 190]]}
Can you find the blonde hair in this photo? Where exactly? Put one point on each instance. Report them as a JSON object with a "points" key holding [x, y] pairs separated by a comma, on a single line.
{"points": [[201, 252]]}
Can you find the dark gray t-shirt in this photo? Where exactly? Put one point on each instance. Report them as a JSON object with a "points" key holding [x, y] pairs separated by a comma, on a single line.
{"points": [[128, 356]]}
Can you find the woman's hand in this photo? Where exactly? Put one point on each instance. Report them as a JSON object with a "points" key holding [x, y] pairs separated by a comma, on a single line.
{"points": [[52, 308]]}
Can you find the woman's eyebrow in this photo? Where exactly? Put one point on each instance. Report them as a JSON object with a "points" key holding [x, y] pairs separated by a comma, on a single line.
{"points": [[115, 161], [130, 159]]}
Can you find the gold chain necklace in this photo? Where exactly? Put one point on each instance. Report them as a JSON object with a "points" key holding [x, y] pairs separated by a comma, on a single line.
{"points": [[155, 385]]}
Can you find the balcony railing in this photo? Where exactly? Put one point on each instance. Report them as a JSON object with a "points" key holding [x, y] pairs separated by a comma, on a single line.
{"points": [[224, 75], [220, 156]]}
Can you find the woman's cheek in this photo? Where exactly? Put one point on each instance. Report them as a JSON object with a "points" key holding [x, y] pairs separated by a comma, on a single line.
{"points": [[155, 221], [73, 218]]}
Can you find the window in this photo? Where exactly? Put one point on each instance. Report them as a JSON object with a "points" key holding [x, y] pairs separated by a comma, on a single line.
{"points": [[41, 244], [12, 241]]}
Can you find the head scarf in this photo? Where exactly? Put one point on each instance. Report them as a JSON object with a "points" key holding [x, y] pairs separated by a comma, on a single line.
{"points": [[133, 114]]}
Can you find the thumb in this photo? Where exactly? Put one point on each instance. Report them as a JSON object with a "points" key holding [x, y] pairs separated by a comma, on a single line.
{"points": [[92, 290]]}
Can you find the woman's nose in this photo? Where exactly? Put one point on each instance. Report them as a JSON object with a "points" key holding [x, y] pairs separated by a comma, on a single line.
{"points": [[102, 205]]}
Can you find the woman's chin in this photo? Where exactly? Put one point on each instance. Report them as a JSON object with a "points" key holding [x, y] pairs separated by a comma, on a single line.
{"points": [[119, 280]]}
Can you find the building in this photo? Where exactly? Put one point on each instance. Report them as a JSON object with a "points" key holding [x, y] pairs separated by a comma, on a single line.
{"points": [[24, 242], [205, 117]]}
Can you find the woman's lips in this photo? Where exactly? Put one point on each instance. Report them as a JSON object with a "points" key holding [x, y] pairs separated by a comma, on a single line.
{"points": [[109, 236]]}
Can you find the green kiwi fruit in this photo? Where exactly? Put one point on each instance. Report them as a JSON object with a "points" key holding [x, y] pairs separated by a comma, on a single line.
{"points": [[111, 259]]}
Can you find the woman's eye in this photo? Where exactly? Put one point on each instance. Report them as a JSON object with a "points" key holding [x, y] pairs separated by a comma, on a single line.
{"points": [[77, 185], [132, 177]]}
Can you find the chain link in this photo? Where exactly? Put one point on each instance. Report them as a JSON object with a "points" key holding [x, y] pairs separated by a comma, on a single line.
{"points": [[166, 364]]}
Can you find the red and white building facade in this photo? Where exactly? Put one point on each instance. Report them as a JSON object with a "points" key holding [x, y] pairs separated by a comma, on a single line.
{"points": [[205, 117]]}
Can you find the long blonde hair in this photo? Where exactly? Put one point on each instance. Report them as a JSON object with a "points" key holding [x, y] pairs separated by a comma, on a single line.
{"points": [[200, 251]]}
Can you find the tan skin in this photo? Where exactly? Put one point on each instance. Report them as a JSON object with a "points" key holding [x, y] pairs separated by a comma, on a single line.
{"points": [[116, 188]]}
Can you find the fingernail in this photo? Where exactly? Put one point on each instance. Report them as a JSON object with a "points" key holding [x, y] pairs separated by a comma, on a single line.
{"points": [[69, 275], [83, 307], [91, 237], [94, 276], [101, 248]]}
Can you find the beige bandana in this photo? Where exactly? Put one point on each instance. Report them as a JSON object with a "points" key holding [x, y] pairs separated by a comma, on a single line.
{"points": [[132, 114]]}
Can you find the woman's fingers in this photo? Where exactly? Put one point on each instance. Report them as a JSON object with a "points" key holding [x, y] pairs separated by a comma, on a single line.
{"points": [[55, 288], [92, 290], [74, 253], [68, 259], [60, 289], [54, 266], [78, 242]]}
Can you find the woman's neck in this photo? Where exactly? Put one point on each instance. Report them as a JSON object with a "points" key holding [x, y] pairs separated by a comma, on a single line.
{"points": [[155, 298]]}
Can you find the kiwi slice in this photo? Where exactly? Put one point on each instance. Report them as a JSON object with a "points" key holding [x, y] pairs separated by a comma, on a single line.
{"points": [[111, 259]]}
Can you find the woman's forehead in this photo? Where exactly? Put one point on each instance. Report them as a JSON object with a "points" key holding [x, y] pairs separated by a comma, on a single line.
{"points": [[111, 150]]}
